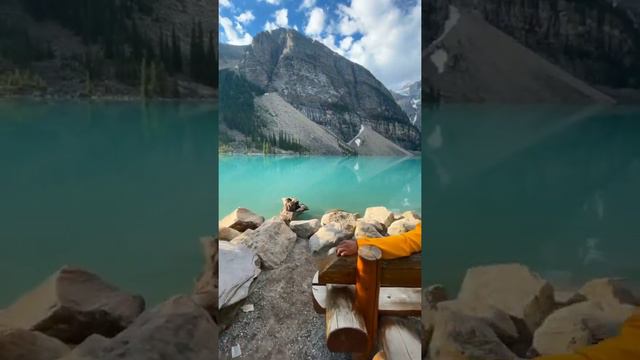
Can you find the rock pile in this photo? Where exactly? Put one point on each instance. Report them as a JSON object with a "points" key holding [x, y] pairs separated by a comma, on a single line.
{"points": [[76, 315], [506, 311], [248, 243]]}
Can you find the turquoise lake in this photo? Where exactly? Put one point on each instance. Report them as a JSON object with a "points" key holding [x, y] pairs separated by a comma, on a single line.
{"points": [[556, 188], [120, 188], [322, 183]]}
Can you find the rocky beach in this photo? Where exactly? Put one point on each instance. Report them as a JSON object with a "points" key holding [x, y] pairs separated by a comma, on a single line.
{"points": [[507, 311], [266, 304], [75, 314]]}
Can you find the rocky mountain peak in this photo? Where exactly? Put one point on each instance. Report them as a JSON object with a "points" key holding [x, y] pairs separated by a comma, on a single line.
{"points": [[329, 89]]}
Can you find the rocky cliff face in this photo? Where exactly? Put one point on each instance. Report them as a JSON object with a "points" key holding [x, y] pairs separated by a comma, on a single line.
{"points": [[597, 41], [591, 39], [410, 100], [327, 88]]}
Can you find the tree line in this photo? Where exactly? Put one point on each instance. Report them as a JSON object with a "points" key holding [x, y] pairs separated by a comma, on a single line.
{"points": [[125, 51]]}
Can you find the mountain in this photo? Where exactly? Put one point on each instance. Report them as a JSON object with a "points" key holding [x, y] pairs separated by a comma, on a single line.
{"points": [[409, 97], [279, 116], [369, 142], [327, 88], [531, 51], [108, 48], [230, 55]]}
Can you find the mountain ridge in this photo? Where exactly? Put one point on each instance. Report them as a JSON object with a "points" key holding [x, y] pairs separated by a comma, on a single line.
{"points": [[596, 42], [328, 89]]}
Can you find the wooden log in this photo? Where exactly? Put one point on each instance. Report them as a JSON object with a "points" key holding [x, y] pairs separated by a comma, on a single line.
{"points": [[402, 272], [368, 268], [346, 330], [392, 301], [291, 207], [399, 341]]}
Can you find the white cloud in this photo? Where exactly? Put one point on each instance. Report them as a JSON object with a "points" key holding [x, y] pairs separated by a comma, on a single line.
{"points": [[282, 17], [315, 26], [234, 35], [346, 43], [268, 26], [246, 17], [389, 45], [307, 4], [281, 20], [272, 2], [225, 3]]}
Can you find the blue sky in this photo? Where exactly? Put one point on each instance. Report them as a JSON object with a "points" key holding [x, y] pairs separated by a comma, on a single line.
{"points": [[381, 35]]}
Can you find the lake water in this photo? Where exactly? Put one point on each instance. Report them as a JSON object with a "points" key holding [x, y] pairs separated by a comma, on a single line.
{"points": [[119, 188], [322, 183], [554, 187]]}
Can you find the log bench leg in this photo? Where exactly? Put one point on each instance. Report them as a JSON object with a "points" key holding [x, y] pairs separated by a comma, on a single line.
{"points": [[368, 269]]}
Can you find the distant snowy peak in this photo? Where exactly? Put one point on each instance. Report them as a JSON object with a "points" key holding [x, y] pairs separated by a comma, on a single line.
{"points": [[409, 97]]}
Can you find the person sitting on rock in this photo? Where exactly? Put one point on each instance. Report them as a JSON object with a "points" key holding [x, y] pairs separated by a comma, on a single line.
{"points": [[394, 246], [625, 346]]}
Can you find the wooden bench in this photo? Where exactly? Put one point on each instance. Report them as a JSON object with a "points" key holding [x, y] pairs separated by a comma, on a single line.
{"points": [[362, 297]]}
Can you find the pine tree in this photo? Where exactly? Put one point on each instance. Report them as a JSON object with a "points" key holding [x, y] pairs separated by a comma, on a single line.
{"points": [[176, 52], [193, 52], [153, 80], [143, 78]]}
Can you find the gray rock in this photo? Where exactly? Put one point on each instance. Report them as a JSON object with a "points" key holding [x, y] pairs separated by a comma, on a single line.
{"points": [[205, 293], [566, 298], [175, 329], [20, 344], [411, 215], [241, 219], [434, 294], [305, 228], [346, 220], [497, 319], [329, 235], [512, 288], [380, 214], [227, 233], [364, 229], [73, 304], [272, 242], [241, 267], [609, 291], [461, 337], [402, 226], [579, 325]]}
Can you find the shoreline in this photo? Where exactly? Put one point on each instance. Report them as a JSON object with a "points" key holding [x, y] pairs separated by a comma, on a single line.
{"points": [[115, 98]]}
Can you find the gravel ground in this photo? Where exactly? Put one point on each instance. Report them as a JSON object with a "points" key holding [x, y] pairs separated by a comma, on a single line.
{"points": [[283, 324]]}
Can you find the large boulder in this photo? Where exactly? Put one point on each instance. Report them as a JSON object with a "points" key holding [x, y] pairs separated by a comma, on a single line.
{"points": [[579, 325], [21, 344], [433, 295], [411, 215], [497, 319], [380, 214], [512, 288], [241, 266], [73, 304], [228, 234], [241, 219], [175, 329], [305, 228], [346, 220], [329, 235], [272, 242], [608, 291], [457, 336], [205, 292], [365, 229], [402, 226]]}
